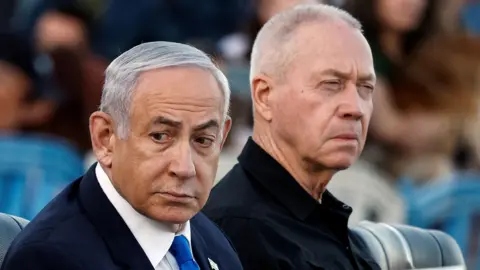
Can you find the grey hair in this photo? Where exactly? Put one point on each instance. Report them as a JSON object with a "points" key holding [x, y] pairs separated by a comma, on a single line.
{"points": [[122, 74], [271, 39]]}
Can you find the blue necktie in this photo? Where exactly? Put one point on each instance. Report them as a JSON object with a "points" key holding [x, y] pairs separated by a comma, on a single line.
{"points": [[180, 249]]}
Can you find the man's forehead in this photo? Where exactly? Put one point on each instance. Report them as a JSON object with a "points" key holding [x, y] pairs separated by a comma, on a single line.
{"points": [[179, 78], [337, 50], [329, 34], [182, 87]]}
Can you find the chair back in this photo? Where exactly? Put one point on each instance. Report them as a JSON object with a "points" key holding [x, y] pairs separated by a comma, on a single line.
{"points": [[449, 206], [10, 226], [406, 247]]}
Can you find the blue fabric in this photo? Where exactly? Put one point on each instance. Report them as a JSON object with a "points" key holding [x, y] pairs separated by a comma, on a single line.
{"points": [[452, 206], [33, 170], [181, 250], [471, 17]]}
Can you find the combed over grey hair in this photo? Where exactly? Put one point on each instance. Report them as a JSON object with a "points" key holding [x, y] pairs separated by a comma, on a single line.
{"points": [[268, 54], [122, 74]]}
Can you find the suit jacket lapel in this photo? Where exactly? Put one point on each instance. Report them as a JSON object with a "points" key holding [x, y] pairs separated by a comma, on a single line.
{"points": [[199, 249], [123, 246]]}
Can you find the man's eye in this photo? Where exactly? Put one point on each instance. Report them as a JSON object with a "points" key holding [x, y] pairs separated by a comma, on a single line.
{"points": [[204, 141], [366, 89], [159, 137], [332, 85]]}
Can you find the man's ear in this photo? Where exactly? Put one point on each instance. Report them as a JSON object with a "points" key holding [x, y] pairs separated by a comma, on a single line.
{"points": [[102, 134], [226, 130], [261, 90]]}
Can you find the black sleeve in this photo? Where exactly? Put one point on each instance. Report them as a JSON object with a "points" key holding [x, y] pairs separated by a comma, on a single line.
{"points": [[261, 247], [39, 257]]}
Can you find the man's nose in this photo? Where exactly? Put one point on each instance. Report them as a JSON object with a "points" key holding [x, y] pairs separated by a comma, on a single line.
{"points": [[351, 106], [182, 165]]}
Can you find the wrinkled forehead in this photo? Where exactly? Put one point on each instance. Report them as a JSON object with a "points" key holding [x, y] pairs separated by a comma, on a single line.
{"points": [[185, 90]]}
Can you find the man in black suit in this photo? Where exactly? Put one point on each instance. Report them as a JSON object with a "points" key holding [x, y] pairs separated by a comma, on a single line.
{"points": [[312, 81], [157, 137]]}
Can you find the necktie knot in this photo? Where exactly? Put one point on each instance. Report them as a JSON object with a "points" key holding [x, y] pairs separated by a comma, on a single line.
{"points": [[180, 249]]}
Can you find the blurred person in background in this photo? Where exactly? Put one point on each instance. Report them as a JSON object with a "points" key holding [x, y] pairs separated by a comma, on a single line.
{"points": [[118, 25], [34, 165], [443, 77], [157, 137], [312, 83], [394, 29], [65, 76], [70, 72], [408, 136], [20, 102], [426, 109]]}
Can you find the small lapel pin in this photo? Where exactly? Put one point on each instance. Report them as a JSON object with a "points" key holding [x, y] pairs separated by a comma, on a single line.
{"points": [[213, 265]]}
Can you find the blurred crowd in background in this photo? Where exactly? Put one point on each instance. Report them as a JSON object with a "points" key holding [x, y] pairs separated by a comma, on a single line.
{"points": [[421, 164]]}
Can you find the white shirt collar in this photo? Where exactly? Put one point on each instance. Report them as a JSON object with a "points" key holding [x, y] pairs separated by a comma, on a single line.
{"points": [[154, 237]]}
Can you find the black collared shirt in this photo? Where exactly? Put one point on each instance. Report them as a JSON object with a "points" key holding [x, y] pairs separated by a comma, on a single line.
{"points": [[275, 224]]}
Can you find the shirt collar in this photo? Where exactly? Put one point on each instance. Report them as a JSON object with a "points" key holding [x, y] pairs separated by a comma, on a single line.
{"points": [[154, 237], [279, 182]]}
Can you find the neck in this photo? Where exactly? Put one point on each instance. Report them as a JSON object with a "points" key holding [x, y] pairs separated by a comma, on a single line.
{"points": [[311, 179], [171, 227], [391, 45], [178, 227]]}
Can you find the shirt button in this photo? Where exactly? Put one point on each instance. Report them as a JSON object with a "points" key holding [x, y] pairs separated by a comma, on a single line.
{"points": [[347, 248]]}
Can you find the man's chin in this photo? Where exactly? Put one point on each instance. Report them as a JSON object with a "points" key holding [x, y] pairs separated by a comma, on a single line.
{"points": [[340, 167], [174, 215], [340, 163]]}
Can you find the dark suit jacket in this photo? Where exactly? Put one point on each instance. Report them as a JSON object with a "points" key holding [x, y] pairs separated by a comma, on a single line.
{"points": [[80, 229]]}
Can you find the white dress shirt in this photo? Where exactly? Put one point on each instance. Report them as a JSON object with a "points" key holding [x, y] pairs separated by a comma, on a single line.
{"points": [[154, 237]]}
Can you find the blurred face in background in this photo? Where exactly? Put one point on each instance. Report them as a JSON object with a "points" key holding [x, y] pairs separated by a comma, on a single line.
{"points": [[14, 87], [401, 15], [322, 106], [56, 30], [166, 166]]}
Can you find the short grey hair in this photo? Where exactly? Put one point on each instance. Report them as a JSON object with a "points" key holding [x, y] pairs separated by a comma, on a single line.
{"points": [[271, 39], [122, 74]]}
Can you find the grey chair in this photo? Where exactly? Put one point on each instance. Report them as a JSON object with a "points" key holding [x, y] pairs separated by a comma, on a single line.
{"points": [[406, 247], [10, 226], [392, 246]]}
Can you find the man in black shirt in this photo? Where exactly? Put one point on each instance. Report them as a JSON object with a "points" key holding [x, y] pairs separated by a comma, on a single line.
{"points": [[312, 80]]}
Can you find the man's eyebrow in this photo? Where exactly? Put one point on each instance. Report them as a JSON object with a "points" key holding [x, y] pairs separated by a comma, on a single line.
{"points": [[367, 77], [161, 120], [346, 75], [209, 124], [336, 73]]}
